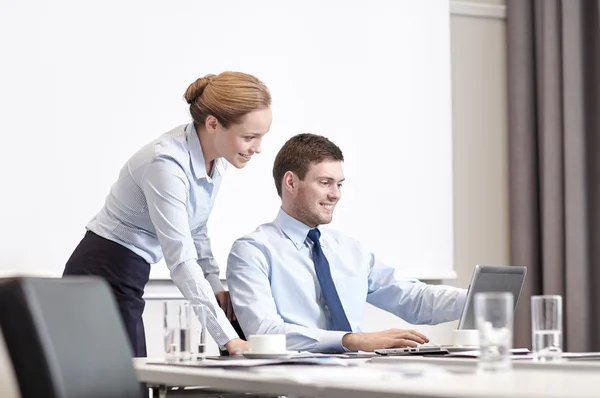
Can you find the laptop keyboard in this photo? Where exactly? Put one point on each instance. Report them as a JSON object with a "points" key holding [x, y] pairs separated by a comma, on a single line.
{"points": [[423, 349]]}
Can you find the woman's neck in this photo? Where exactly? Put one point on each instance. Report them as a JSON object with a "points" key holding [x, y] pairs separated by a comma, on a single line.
{"points": [[208, 148]]}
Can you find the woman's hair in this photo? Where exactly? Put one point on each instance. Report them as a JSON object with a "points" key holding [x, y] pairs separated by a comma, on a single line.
{"points": [[227, 96], [299, 152]]}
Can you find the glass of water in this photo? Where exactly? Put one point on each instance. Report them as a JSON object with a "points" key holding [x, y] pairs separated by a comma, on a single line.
{"points": [[494, 320], [184, 326], [176, 316], [546, 328], [197, 332]]}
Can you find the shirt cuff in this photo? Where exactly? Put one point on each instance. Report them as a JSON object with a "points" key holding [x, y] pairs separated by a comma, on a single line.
{"points": [[215, 282], [346, 349], [224, 332], [331, 341]]}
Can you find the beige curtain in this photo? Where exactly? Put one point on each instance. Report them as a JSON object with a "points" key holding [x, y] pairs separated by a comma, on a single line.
{"points": [[554, 149]]}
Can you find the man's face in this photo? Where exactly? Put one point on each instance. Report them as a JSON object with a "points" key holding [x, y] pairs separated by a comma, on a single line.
{"points": [[318, 193]]}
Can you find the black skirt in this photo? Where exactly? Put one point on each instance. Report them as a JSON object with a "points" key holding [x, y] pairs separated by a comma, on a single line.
{"points": [[126, 272]]}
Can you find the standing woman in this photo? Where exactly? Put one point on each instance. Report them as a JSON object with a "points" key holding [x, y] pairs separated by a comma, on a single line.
{"points": [[159, 205]]}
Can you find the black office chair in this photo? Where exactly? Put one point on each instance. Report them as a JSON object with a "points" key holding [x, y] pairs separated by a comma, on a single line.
{"points": [[66, 339]]}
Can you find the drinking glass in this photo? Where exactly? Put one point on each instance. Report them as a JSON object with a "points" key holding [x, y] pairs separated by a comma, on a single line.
{"points": [[546, 328], [197, 331], [494, 320], [176, 331]]}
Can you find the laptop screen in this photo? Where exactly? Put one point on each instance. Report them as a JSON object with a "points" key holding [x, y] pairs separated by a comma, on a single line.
{"points": [[488, 278]]}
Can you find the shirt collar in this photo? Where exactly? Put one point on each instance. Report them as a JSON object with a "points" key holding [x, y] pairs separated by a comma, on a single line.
{"points": [[197, 157], [295, 230]]}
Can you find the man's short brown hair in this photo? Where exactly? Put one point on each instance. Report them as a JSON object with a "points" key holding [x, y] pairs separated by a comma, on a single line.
{"points": [[299, 152]]}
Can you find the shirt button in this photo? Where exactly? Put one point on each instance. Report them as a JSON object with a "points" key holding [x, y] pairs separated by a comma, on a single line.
{"points": [[327, 308], [218, 334]]}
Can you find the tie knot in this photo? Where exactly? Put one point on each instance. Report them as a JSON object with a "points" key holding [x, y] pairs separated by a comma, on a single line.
{"points": [[314, 235]]}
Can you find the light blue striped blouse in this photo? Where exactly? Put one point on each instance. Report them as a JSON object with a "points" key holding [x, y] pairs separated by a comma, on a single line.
{"points": [[159, 206]]}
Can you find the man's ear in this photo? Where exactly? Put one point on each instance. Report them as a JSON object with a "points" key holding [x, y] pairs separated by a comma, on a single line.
{"points": [[211, 124], [290, 182]]}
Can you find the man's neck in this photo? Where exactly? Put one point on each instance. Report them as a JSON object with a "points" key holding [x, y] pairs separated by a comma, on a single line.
{"points": [[289, 210]]}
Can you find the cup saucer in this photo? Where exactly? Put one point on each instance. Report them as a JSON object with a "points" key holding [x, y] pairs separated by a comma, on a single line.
{"points": [[258, 355]]}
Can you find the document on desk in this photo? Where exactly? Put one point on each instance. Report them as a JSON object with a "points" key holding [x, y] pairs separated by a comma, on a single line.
{"points": [[246, 363], [304, 354], [350, 354], [516, 353], [581, 355]]}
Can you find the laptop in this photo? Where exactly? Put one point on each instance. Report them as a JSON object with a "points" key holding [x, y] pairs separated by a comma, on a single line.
{"points": [[485, 278]]}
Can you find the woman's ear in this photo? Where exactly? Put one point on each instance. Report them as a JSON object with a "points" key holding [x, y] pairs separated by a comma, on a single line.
{"points": [[211, 124]]}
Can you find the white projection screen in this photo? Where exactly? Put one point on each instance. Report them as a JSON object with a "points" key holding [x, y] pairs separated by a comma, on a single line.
{"points": [[86, 84]]}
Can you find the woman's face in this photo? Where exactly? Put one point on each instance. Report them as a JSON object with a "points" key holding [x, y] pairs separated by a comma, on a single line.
{"points": [[240, 141]]}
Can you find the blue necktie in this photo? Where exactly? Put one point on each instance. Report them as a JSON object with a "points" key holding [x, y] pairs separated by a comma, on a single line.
{"points": [[332, 300]]}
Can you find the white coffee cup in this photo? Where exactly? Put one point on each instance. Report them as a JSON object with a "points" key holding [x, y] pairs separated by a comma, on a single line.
{"points": [[267, 344], [465, 337]]}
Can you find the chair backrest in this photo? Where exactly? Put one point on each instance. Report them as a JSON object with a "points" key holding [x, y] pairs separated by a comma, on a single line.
{"points": [[8, 381], [66, 339]]}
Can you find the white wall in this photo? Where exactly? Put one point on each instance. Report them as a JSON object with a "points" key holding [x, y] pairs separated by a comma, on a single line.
{"points": [[480, 137], [480, 159], [480, 181], [100, 80]]}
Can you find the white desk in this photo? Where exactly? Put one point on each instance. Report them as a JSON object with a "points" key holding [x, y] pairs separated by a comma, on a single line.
{"points": [[471, 363], [375, 379], [221, 379], [516, 384]]}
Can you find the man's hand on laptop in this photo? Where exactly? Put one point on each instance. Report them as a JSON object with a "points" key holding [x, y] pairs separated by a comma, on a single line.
{"points": [[392, 338]]}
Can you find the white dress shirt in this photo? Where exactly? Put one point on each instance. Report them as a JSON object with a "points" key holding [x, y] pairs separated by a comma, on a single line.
{"points": [[274, 287]]}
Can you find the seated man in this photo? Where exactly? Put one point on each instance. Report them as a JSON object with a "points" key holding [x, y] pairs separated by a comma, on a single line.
{"points": [[289, 276]]}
